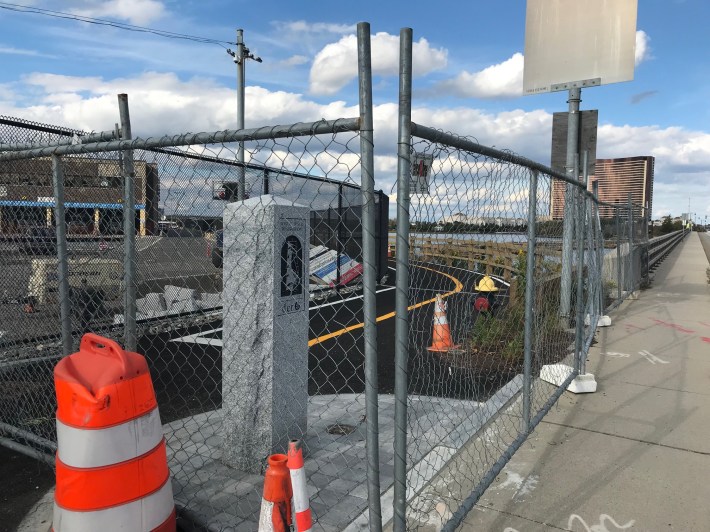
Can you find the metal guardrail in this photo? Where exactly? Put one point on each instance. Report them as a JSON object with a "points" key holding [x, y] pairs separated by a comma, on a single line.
{"points": [[660, 246]]}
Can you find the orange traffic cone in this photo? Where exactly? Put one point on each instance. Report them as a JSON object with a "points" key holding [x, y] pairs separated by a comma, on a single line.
{"points": [[441, 337], [275, 513]]}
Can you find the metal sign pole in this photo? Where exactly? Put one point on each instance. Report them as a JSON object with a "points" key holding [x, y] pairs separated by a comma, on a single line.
{"points": [[569, 218]]}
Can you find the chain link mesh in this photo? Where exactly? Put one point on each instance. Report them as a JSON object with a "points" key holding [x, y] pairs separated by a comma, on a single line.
{"points": [[468, 398], [468, 247], [180, 194]]}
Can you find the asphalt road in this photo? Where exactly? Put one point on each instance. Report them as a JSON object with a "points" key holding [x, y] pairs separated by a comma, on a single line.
{"points": [[187, 362], [187, 365], [159, 261]]}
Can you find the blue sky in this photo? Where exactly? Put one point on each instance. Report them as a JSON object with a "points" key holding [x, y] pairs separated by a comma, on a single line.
{"points": [[468, 76]]}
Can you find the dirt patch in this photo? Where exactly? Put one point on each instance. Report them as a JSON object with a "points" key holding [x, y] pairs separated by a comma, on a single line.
{"points": [[496, 343], [26, 480], [490, 362]]}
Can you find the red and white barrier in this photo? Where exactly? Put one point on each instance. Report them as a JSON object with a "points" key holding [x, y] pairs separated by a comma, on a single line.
{"points": [[301, 504]]}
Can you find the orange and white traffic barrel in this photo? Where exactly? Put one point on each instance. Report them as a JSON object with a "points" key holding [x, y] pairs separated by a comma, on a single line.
{"points": [[111, 467], [301, 505], [275, 513]]}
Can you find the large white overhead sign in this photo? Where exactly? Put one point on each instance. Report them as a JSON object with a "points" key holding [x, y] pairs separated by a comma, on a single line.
{"points": [[578, 43]]}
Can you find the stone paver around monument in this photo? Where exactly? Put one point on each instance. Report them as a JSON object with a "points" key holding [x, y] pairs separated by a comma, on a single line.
{"points": [[222, 497]]}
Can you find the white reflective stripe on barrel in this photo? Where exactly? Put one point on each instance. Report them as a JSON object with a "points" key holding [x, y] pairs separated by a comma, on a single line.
{"points": [[300, 493], [266, 521], [440, 320], [101, 447], [143, 515]]}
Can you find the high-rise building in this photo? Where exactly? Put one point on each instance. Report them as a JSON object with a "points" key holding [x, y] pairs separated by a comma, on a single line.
{"points": [[617, 179]]}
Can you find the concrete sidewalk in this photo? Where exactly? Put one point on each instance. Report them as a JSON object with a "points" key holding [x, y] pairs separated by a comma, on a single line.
{"points": [[636, 454]]}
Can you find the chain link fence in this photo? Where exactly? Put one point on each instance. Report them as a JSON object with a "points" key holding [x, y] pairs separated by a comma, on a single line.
{"points": [[182, 258], [270, 305], [484, 243]]}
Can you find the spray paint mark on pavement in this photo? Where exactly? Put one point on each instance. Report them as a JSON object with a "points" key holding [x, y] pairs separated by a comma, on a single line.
{"points": [[601, 527], [672, 326], [614, 354], [604, 520], [653, 359], [523, 486]]}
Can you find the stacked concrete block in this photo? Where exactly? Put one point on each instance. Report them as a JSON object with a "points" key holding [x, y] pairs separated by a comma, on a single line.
{"points": [[179, 299], [210, 301], [152, 303]]}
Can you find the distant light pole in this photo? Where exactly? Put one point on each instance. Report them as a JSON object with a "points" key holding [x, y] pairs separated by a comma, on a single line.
{"points": [[239, 57]]}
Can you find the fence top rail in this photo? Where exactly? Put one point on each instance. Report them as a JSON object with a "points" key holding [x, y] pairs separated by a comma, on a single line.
{"points": [[300, 129], [101, 136], [436, 135], [251, 166]]}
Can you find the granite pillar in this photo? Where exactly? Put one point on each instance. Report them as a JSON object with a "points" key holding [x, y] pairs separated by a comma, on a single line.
{"points": [[265, 337]]}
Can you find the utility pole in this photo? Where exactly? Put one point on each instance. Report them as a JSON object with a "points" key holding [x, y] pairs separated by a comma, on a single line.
{"points": [[239, 57]]}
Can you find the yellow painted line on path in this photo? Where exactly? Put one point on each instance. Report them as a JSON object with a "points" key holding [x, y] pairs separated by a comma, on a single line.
{"points": [[458, 286]]}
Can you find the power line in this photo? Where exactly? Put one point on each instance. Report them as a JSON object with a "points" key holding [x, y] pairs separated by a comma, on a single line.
{"points": [[101, 22]]}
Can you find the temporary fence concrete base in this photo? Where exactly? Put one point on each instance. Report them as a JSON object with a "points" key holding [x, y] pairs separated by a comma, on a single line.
{"points": [[603, 321], [558, 373]]}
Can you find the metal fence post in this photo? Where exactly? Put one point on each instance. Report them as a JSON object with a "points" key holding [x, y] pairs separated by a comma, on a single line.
{"points": [[529, 300], [402, 282], [369, 285], [632, 277], [130, 339], [617, 220], [265, 181], [339, 237], [598, 242], [62, 255], [580, 225], [575, 95]]}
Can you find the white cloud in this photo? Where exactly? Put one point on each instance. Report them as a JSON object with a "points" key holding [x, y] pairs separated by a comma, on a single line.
{"points": [[336, 64], [504, 80], [301, 26], [164, 104], [294, 60], [643, 50], [160, 104], [677, 150], [10, 50], [138, 12]]}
